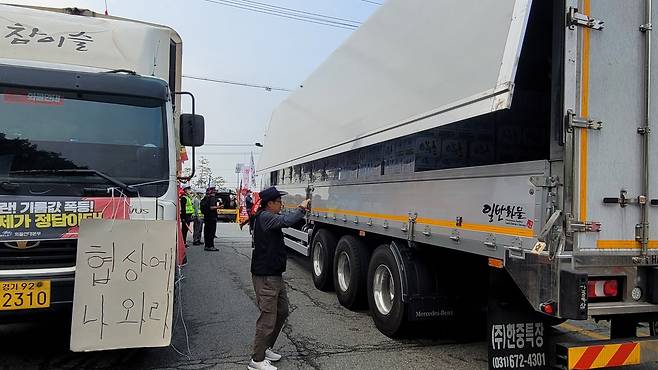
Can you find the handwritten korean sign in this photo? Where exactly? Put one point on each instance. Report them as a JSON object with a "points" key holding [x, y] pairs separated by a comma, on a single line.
{"points": [[124, 284]]}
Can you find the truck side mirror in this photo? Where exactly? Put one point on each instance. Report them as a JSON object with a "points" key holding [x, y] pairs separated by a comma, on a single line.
{"points": [[192, 130]]}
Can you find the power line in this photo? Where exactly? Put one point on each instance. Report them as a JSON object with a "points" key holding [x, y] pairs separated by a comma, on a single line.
{"points": [[302, 18], [372, 2], [292, 12], [299, 11], [284, 14], [237, 83]]}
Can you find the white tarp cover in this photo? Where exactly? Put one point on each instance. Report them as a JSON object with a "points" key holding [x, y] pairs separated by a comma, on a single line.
{"points": [[414, 65], [94, 42], [124, 284]]}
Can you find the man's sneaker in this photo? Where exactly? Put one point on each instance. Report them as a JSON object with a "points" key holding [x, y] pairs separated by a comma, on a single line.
{"points": [[212, 249], [272, 356], [263, 365]]}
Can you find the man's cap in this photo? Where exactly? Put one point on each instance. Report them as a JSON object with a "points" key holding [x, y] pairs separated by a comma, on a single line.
{"points": [[270, 194]]}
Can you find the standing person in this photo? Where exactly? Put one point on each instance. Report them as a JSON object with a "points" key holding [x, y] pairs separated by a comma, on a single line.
{"points": [[209, 209], [186, 212], [198, 219], [249, 203], [268, 262]]}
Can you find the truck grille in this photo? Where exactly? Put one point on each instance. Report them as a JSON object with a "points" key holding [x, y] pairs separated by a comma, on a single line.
{"points": [[41, 254]]}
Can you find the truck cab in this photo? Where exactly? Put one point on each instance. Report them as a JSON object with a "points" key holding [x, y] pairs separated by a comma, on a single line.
{"points": [[90, 130]]}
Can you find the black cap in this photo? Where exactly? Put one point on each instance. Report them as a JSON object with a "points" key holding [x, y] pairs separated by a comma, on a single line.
{"points": [[270, 194]]}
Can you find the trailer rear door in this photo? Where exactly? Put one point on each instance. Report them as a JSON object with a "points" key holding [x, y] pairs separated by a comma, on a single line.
{"points": [[609, 167]]}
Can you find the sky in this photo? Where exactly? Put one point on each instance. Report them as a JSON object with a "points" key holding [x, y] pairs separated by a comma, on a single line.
{"points": [[226, 43]]}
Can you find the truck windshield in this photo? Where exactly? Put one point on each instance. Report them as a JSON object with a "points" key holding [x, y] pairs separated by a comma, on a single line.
{"points": [[123, 137]]}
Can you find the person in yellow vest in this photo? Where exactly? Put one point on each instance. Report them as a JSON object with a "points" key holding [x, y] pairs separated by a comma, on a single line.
{"points": [[197, 218], [186, 212]]}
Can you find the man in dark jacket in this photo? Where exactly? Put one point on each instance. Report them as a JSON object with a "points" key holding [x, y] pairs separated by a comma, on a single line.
{"points": [[209, 210], [268, 262]]}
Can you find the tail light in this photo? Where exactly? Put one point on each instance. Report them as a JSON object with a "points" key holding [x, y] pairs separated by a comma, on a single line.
{"points": [[603, 288]]}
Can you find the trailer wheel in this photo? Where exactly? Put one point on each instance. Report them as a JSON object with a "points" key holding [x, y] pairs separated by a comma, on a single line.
{"points": [[384, 292], [322, 259], [351, 272]]}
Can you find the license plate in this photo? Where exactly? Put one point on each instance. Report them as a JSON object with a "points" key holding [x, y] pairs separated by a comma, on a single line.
{"points": [[24, 294]]}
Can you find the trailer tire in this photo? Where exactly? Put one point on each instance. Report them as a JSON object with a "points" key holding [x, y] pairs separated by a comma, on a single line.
{"points": [[386, 306], [351, 272], [322, 259]]}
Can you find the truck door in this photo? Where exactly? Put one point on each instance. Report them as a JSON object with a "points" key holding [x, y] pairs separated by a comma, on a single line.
{"points": [[607, 112]]}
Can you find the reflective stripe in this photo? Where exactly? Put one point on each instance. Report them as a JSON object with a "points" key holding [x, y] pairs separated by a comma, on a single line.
{"points": [[603, 356], [506, 230], [585, 113], [624, 244]]}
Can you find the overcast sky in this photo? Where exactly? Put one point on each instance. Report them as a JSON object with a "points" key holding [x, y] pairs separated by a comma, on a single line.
{"points": [[227, 43]]}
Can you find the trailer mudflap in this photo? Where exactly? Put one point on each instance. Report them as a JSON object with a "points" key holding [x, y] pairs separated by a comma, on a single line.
{"points": [[652, 286], [517, 336], [607, 353], [573, 295]]}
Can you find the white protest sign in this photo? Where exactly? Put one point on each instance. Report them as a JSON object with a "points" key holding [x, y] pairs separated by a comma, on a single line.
{"points": [[124, 284]]}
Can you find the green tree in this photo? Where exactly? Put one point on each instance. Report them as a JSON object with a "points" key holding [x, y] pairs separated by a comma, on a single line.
{"points": [[219, 181], [203, 173]]}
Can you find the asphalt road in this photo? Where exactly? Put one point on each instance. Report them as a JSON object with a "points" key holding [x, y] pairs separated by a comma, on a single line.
{"points": [[214, 328]]}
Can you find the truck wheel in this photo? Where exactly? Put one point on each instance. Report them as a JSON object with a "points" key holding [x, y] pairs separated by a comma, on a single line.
{"points": [[351, 272], [322, 259], [384, 292]]}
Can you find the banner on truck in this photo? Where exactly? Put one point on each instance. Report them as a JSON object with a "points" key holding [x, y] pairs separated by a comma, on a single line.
{"points": [[124, 284], [48, 218]]}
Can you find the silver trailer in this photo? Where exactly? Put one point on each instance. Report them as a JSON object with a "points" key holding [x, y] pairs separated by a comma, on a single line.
{"points": [[449, 139]]}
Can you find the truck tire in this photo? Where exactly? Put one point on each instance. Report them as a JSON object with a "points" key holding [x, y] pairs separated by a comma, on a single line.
{"points": [[385, 294], [322, 259], [351, 272]]}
